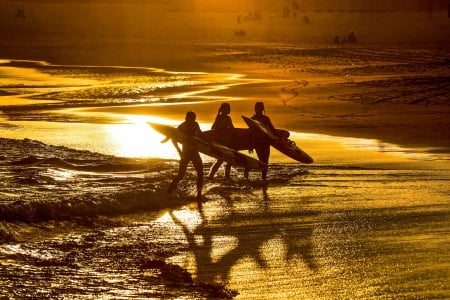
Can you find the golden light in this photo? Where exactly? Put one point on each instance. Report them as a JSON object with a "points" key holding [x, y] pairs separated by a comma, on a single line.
{"points": [[137, 139], [61, 174]]}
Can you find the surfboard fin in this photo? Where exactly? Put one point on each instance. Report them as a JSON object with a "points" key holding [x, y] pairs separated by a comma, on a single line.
{"points": [[166, 139]]}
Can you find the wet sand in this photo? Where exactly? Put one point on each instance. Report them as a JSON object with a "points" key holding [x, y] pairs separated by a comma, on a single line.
{"points": [[332, 230], [83, 210], [395, 95], [369, 219], [392, 94]]}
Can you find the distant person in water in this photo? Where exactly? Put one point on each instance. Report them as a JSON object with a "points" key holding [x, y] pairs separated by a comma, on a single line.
{"points": [[222, 121], [337, 41], [188, 154], [260, 142], [351, 38]]}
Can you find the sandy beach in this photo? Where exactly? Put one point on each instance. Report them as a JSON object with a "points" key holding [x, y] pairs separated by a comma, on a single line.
{"points": [[84, 212], [83, 203], [396, 95], [392, 85]]}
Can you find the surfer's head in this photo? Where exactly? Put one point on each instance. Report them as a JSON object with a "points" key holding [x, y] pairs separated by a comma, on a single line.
{"points": [[259, 107], [190, 116], [225, 108]]}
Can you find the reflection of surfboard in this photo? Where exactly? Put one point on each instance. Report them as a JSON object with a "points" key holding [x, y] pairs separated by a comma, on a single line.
{"points": [[236, 138], [212, 149], [284, 145]]}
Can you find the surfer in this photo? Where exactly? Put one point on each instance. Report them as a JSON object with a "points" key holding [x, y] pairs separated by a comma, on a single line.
{"points": [[260, 142], [223, 120], [188, 154]]}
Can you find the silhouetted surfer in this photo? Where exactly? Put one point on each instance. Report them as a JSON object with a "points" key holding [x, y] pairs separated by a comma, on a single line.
{"points": [[223, 120], [259, 141], [351, 38], [20, 13], [189, 154]]}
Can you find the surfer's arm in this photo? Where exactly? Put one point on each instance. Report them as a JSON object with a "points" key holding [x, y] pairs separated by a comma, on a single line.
{"points": [[272, 128], [214, 125], [175, 144], [230, 123]]}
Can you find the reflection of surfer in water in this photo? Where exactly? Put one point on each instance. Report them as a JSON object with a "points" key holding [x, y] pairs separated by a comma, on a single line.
{"points": [[189, 153], [222, 121], [259, 142]]}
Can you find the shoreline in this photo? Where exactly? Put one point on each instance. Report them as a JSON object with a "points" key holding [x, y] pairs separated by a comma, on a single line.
{"points": [[83, 201], [313, 216], [403, 100], [360, 91]]}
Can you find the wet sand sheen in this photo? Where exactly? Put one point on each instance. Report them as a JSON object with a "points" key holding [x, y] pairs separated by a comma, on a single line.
{"points": [[330, 231], [349, 233], [369, 219]]}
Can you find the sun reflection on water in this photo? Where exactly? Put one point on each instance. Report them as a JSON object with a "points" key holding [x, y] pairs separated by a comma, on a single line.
{"points": [[61, 174], [136, 138]]}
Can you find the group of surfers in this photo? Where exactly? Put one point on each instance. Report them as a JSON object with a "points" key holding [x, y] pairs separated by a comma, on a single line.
{"points": [[189, 153]]}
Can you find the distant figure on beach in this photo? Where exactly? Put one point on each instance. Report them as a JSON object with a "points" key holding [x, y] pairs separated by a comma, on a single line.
{"points": [[223, 120], [306, 20], [240, 33], [351, 38], [188, 154], [259, 142], [20, 13], [337, 41]]}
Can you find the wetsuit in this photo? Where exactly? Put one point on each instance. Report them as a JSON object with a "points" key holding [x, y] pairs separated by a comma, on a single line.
{"points": [[189, 154], [221, 121], [261, 143]]}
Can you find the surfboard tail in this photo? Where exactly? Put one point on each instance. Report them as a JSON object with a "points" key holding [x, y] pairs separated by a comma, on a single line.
{"points": [[284, 145]]}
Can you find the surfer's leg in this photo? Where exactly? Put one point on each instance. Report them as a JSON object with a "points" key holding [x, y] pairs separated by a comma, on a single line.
{"points": [[181, 171], [263, 155], [172, 186], [198, 165], [227, 170], [214, 168], [264, 174], [246, 172]]}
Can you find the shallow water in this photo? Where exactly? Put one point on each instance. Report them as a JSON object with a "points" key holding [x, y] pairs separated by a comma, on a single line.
{"points": [[332, 233], [84, 211], [325, 232]]}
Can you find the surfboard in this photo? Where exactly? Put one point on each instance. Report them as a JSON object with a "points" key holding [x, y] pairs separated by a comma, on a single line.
{"points": [[213, 149], [236, 138], [282, 144]]}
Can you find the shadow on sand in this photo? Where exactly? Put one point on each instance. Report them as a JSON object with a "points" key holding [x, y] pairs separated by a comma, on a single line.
{"points": [[251, 230]]}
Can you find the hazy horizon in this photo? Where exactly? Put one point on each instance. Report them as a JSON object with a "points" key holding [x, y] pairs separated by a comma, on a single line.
{"points": [[166, 30]]}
